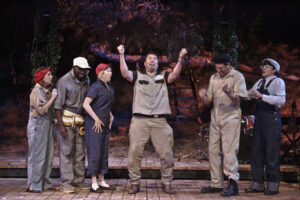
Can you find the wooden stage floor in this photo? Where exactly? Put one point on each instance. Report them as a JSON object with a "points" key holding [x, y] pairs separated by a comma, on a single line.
{"points": [[13, 188], [150, 161], [14, 165]]}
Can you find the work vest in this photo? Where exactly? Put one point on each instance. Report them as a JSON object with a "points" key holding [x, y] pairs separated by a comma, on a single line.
{"points": [[151, 94]]}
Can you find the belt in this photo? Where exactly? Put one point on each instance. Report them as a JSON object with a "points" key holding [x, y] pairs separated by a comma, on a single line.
{"points": [[149, 116]]}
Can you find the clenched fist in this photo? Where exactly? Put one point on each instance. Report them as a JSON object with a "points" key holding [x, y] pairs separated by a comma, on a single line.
{"points": [[121, 49], [182, 53]]}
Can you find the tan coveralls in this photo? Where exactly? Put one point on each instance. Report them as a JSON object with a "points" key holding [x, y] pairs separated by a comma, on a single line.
{"points": [[224, 132]]}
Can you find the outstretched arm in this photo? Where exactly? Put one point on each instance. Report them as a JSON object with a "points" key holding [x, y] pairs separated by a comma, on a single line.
{"points": [[176, 72], [127, 74]]}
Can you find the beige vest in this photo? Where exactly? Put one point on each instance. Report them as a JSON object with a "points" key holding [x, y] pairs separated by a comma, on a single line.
{"points": [[151, 95]]}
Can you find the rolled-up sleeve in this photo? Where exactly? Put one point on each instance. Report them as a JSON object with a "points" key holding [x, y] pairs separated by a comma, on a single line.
{"points": [[240, 88], [38, 103], [61, 95], [209, 92]]}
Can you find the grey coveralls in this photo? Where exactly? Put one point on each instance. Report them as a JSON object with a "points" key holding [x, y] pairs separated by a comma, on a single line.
{"points": [[71, 94], [40, 140]]}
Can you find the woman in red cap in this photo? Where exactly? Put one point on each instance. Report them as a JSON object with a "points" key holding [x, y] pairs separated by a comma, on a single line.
{"points": [[39, 132], [97, 124]]}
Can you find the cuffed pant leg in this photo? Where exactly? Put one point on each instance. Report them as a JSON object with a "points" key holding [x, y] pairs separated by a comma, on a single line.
{"points": [[230, 136], [103, 163]]}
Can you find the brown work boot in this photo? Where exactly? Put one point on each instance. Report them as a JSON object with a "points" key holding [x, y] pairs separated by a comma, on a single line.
{"points": [[167, 188], [134, 188]]}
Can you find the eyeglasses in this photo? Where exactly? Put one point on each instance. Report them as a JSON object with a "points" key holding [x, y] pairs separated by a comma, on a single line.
{"points": [[267, 66]]}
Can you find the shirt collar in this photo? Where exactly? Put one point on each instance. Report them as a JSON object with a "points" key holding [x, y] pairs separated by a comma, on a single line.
{"points": [[232, 71], [76, 79], [270, 77]]}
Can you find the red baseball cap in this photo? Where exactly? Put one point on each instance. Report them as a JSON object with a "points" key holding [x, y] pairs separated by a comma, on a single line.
{"points": [[101, 67]]}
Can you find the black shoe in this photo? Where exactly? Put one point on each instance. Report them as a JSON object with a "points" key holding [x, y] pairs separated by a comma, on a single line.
{"points": [[251, 190], [32, 191], [98, 190], [270, 192], [108, 188], [210, 189], [231, 190], [134, 188]]}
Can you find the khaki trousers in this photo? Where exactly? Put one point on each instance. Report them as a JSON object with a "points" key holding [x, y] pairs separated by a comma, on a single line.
{"points": [[161, 134], [224, 140]]}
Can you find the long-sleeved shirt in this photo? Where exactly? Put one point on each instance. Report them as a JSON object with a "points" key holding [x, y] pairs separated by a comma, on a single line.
{"points": [[276, 91]]}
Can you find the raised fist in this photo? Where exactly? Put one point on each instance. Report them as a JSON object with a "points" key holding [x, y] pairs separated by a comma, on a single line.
{"points": [[182, 53], [121, 49], [202, 93]]}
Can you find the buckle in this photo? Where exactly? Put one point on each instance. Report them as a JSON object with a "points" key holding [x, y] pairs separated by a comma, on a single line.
{"points": [[156, 116]]}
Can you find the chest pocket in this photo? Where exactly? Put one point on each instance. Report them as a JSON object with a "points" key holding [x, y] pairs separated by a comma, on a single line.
{"points": [[159, 81], [143, 82]]}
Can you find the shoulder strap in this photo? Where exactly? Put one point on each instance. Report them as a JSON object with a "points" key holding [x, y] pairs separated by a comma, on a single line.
{"points": [[268, 84], [259, 84]]}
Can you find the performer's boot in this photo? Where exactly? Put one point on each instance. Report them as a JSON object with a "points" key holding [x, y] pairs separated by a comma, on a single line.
{"points": [[231, 190], [167, 188], [134, 188]]}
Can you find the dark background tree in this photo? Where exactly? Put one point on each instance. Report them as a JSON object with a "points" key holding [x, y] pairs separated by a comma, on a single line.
{"points": [[53, 32]]}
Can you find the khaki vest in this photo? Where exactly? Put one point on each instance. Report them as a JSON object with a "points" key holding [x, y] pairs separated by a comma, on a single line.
{"points": [[151, 95]]}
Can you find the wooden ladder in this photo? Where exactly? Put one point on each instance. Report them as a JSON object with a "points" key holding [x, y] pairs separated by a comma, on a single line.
{"points": [[189, 77]]}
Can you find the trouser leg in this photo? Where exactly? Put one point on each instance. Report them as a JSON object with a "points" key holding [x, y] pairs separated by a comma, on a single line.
{"points": [[103, 163], [49, 161], [257, 152], [162, 140], [214, 154], [138, 137], [66, 155], [230, 136], [38, 148], [273, 137], [79, 165]]}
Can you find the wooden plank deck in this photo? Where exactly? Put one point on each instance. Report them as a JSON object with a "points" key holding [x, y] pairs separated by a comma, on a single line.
{"points": [[14, 188]]}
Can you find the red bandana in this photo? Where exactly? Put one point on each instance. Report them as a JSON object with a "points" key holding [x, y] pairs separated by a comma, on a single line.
{"points": [[40, 75]]}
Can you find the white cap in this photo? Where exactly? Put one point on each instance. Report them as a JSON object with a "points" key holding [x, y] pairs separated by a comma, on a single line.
{"points": [[274, 63], [81, 62]]}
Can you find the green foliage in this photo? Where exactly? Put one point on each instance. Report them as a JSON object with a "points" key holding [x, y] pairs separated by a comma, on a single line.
{"points": [[224, 35], [47, 50]]}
